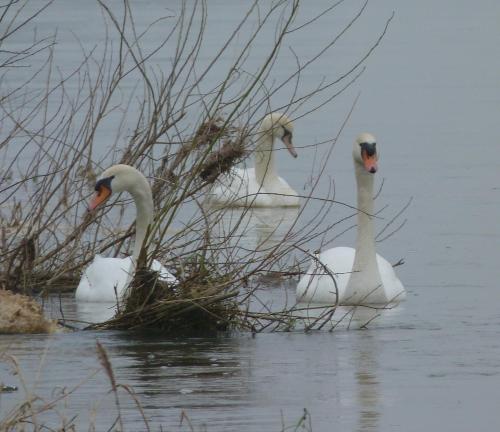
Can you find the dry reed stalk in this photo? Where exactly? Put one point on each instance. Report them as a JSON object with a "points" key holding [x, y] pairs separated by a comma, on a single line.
{"points": [[106, 365]]}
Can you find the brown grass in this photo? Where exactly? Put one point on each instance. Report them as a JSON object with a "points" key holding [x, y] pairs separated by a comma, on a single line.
{"points": [[22, 314]]}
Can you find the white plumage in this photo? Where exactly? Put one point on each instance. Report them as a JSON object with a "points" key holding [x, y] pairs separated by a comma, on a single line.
{"points": [[260, 186], [340, 262], [106, 279], [354, 276]]}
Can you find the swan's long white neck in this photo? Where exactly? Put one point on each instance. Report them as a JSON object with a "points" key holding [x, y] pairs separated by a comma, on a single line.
{"points": [[265, 170], [365, 276], [143, 198]]}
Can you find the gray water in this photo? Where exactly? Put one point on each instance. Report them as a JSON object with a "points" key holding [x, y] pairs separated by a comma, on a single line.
{"points": [[431, 96]]}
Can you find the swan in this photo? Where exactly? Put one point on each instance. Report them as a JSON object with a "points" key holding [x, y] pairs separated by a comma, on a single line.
{"points": [[105, 275], [260, 186], [361, 275]]}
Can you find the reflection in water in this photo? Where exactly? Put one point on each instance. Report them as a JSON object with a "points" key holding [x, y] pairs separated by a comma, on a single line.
{"points": [[182, 374], [148, 352], [365, 359], [271, 225], [346, 317], [94, 312], [66, 308], [169, 375], [256, 228]]}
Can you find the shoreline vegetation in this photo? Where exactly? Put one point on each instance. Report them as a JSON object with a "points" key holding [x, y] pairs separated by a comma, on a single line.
{"points": [[185, 132]]}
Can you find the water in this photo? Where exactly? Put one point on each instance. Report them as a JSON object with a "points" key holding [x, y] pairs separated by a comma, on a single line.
{"points": [[430, 95]]}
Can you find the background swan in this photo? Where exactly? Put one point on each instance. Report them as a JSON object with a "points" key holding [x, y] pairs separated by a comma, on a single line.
{"points": [[260, 186], [100, 278], [362, 276]]}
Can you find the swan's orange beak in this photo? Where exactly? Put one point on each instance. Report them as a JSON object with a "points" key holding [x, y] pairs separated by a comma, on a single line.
{"points": [[369, 162], [101, 196], [369, 157], [287, 140]]}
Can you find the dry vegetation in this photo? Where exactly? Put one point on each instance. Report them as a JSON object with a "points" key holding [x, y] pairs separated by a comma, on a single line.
{"points": [[22, 314], [186, 130]]}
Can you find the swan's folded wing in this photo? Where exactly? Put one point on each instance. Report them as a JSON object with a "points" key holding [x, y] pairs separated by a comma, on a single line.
{"points": [[231, 189], [318, 286], [104, 279], [394, 289], [165, 275]]}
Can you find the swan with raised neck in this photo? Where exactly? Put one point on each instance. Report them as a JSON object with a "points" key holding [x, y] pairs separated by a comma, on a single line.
{"points": [[361, 275], [260, 186], [274, 126], [105, 275], [125, 178]]}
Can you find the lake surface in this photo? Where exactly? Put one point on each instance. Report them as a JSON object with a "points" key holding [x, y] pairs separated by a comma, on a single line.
{"points": [[430, 94]]}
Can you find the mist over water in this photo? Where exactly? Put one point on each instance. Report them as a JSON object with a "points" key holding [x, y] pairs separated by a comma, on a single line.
{"points": [[430, 96]]}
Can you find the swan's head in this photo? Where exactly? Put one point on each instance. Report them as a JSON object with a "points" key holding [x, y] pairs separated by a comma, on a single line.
{"points": [[281, 127], [116, 179], [365, 153]]}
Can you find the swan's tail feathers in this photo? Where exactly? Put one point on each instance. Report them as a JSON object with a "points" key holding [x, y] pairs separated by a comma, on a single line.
{"points": [[400, 262]]}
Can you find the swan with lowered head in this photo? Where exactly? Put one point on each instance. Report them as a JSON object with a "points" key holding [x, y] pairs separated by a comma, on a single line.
{"points": [[361, 275], [260, 186], [105, 275]]}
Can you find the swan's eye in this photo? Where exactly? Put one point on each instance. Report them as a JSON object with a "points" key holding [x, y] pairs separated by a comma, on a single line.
{"points": [[369, 148], [286, 132], [105, 182]]}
